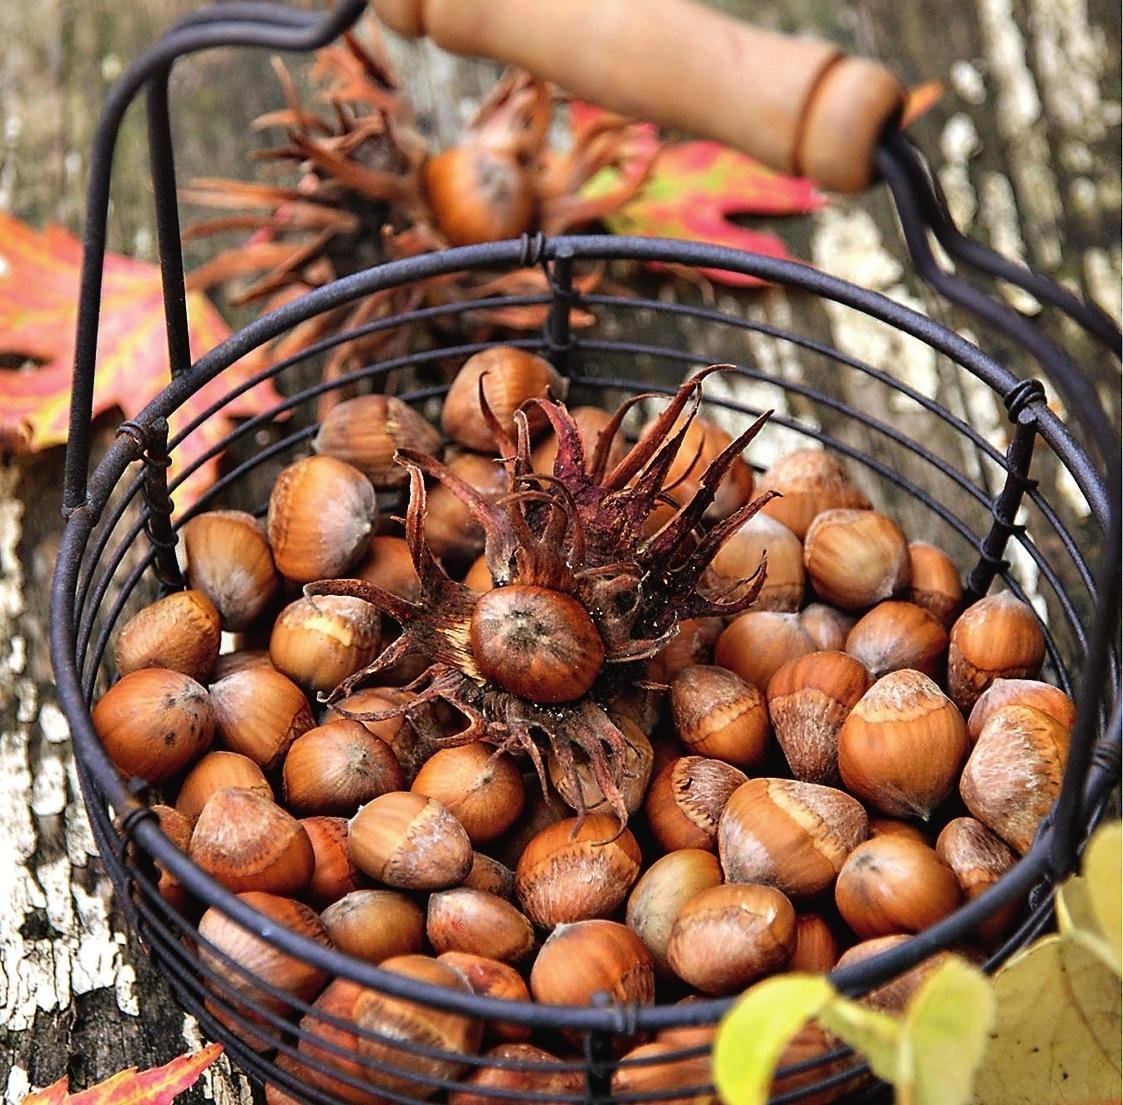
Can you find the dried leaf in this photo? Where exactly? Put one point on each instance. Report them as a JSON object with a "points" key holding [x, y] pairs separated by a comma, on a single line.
{"points": [[921, 98], [39, 273], [157, 1086]]}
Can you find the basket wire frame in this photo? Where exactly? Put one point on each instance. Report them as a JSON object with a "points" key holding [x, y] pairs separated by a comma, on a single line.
{"points": [[99, 552]]}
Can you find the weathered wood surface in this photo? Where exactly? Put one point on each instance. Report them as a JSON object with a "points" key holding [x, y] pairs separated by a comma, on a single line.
{"points": [[1026, 144]]}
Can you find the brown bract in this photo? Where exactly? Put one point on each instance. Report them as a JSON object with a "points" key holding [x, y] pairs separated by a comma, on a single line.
{"points": [[739, 556]]}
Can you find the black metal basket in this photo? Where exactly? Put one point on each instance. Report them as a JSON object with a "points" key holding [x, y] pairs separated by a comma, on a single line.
{"points": [[993, 501]]}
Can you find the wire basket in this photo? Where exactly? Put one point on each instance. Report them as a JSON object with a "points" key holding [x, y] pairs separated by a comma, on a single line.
{"points": [[952, 484]]}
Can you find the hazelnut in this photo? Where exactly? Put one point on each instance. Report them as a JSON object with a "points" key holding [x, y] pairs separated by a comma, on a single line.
{"points": [[717, 714], [491, 979], [409, 841], [509, 378], [728, 936], [541, 811], [1020, 692], [463, 920], [491, 876], [248, 842], [1014, 773], [480, 786], [809, 1043], [368, 430], [889, 826], [324, 1024], [229, 561], [895, 995], [740, 553], [675, 1078], [692, 643], [665, 887], [827, 627], [241, 659], [318, 642], [809, 481], [450, 530], [388, 565], [979, 859], [591, 423], [410, 746], [998, 637], [757, 644], [902, 746], [935, 582], [153, 723], [180, 632], [892, 885], [375, 924], [808, 700], [856, 558], [580, 960], [686, 800], [573, 872], [478, 576], [177, 829], [791, 835], [631, 771], [895, 635], [816, 949], [259, 713], [544, 1087], [334, 873], [321, 515], [335, 768], [215, 771]]}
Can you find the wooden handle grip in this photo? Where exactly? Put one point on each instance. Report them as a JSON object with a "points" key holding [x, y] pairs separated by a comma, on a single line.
{"points": [[799, 105]]}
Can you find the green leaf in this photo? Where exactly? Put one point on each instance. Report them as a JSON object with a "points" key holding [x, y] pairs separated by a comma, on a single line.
{"points": [[947, 1025], [1103, 861], [1056, 1037], [753, 1034], [876, 1035]]}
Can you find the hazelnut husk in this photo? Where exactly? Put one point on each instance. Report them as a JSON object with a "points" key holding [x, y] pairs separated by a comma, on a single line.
{"points": [[1014, 773], [809, 481], [318, 642], [1020, 692], [259, 713], [229, 561], [631, 771], [935, 582], [761, 536], [686, 801], [153, 723], [334, 873], [464, 920], [788, 834], [718, 714], [895, 635], [902, 746], [180, 632], [451, 531], [321, 516], [728, 936], [856, 558], [979, 859], [586, 958], [216, 770], [591, 423], [758, 643], [375, 924]]}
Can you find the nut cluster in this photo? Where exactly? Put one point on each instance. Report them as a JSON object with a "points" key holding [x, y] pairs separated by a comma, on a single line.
{"points": [[729, 792]]}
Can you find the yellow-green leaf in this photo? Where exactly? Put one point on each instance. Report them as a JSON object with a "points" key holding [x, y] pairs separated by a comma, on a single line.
{"points": [[753, 1035], [876, 1035], [947, 1026], [1056, 1037], [1102, 871]]}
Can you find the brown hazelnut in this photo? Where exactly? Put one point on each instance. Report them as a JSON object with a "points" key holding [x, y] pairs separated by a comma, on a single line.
{"points": [[591, 423], [321, 515], [895, 995], [757, 644], [318, 642], [808, 700], [631, 770], [322, 1026], [737, 559], [478, 576], [543, 1087], [180, 632], [368, 430], [229, 560], [856, 558], [728, 936], [335, 768], [215, 771], [450, 530], [248, 842], [177, 829], [409, 841], [717, 714], [998, 637], [388, 565], [586, 958], [686, 800], [334, 873], [463, 920], [935, 582], [891, 885], [259, 713], [1014, 773], [902, 746], [479, 785], [665, 887], [491, 979], [411, 748], [570, 873], [375, 924], [810, 481], [675, 1077], [239, 660], [816, 949], [895, 635], [791, 835], [692, 643], [491, 876], [813, 1042], [153, 723], [979, 859], [1020, 692], [827, 627], [890, 826]]}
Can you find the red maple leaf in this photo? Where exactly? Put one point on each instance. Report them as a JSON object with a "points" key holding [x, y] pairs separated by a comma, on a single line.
{"points": [[39, 273], [157, 1086]]}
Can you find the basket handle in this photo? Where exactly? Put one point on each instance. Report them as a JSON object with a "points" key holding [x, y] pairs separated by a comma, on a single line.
{"points": [[799, 105]]}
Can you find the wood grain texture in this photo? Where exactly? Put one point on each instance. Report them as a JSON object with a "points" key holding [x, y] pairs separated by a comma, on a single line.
{"points": [[1026, 145]]}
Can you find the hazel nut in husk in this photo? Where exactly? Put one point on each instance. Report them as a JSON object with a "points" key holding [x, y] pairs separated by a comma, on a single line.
{"points": [[180, 631], [742, 551], [856, 558], [788, 834], [578, 787]]}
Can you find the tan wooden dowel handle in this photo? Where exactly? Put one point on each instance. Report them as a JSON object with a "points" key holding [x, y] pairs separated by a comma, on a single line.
{"points": [[799, 105]]}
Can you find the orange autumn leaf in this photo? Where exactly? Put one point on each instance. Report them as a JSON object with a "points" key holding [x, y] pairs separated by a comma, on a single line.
{"points": [[157, 1086], [920, 99], [39, 274]]}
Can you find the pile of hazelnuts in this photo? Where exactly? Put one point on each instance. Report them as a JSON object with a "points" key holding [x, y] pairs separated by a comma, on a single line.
{"points": [[837, 768]]}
